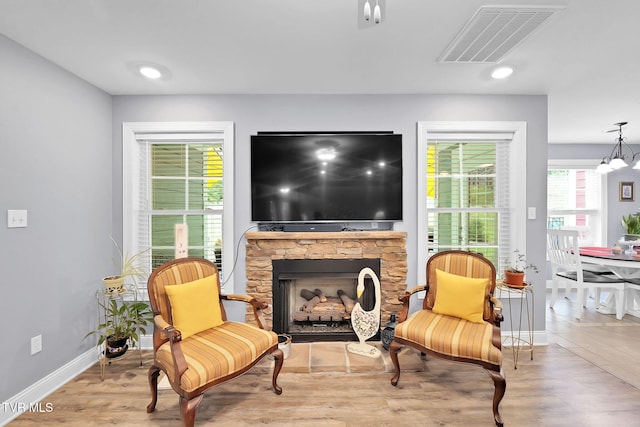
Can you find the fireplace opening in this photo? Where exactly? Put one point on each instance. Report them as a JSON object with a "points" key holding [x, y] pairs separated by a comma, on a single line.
{"points": [[313, 298]]}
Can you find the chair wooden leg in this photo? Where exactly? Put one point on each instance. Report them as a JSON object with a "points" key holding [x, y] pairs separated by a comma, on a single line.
{"points": [[154, 372], [500, 384], [620, 303], [554, 293], [597, 295], [394, 348], [278, 357], [188, 409], [580, 300], [567, 290]]}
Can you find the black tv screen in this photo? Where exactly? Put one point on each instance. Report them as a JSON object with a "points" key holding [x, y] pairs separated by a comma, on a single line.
{"points": [[326, 177]]}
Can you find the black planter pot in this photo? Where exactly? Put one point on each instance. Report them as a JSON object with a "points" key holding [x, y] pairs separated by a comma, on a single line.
{"points": [[116, 347], [388, 332]]}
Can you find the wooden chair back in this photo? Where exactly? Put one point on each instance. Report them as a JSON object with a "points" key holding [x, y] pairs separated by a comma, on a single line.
{"points": [[564, 252], [176, 272], [462, 263]]}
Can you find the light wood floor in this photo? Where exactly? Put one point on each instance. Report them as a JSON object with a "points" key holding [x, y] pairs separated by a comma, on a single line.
{"points": [[589, 375]]}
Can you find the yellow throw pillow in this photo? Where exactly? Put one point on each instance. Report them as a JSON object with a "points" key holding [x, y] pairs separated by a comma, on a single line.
{"points": [[460, 296], [195, 306]]}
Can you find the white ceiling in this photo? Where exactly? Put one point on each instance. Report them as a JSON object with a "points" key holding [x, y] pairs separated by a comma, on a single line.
{"points": [[586, 58]]}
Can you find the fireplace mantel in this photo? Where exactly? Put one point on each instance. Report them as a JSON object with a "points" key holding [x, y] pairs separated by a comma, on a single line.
{"points": [[334, 235], [388, 246]]}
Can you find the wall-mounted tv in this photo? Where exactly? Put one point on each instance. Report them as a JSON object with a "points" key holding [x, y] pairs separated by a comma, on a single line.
{"points": [[326, 177]]}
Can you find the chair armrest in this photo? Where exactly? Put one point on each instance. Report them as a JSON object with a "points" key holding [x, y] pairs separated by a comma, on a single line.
{"points": [[160, 323], [497, 310], [405, 298], [175, 337], [257, 305]]}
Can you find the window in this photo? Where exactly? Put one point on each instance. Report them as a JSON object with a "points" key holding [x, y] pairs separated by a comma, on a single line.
{"points": [[462, 209], [574, 201], [465, 197], [179, 173]]}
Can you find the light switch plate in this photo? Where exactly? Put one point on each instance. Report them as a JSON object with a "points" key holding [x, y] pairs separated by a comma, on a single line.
{"points": [[16, 218], [36, 344], [531, 213]]}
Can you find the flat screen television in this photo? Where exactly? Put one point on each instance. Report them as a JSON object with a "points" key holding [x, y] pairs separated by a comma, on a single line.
{"points": [[326, 177]]}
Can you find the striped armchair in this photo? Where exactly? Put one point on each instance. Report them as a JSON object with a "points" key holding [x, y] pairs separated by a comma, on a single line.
{"points": [[448, 336], [203, 359]]}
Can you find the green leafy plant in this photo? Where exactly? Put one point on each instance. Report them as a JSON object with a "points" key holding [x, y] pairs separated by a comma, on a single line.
{"points": [[125, 320], [631, 224], [518, 263]]}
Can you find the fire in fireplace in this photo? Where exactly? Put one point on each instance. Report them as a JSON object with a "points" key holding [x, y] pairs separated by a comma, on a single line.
{"points": [[313, 298]]}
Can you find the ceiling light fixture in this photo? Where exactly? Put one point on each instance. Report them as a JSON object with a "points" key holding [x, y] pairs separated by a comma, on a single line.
{"points": [[377, 12], [367, 11], [502, 72], [150, 72], [377, 16], [616, 159]]}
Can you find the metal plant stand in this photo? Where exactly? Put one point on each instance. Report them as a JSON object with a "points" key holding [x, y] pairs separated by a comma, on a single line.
{"points": [[520, 340]]}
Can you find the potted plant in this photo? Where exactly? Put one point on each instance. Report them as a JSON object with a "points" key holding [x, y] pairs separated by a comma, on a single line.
{"points": [[122, 325], [515, 270], [129, 266], [631, 226]]}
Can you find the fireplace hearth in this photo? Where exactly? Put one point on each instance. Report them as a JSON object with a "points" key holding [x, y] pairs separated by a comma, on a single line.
{"points": [[313, 298]]}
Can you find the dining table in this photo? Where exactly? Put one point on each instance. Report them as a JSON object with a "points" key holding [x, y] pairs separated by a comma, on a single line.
{"points": [[626, 266]]}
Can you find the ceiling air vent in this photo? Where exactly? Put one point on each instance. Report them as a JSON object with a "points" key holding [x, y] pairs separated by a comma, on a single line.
{"points": [[494, 31]]}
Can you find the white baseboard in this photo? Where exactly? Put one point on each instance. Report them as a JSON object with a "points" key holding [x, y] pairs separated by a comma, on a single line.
{"points": [[33, 398], [146, 342], [539, 337]]}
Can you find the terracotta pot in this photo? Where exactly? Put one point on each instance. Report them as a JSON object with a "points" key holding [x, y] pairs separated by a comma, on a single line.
{"points": [[514, 278]]}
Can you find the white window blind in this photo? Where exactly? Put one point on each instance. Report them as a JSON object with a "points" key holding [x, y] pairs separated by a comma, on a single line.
{"points": [[179, 173], [468, 194], [181, 182], [481, 205]]}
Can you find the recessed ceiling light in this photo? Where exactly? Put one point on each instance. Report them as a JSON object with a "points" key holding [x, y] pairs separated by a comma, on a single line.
{"points": [[150, 72], [502, 72]]}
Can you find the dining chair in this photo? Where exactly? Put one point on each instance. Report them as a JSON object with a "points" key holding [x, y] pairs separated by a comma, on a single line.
{"points": [[563, 252], [193, 342], [460, 318]]}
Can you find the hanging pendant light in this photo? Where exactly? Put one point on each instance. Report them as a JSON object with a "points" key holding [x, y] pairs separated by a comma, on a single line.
{"points": [[604, 167], [367, 11], [616, 159], [377, 16]]}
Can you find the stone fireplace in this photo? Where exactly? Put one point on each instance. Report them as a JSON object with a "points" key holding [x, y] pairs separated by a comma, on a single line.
{"points": [[329, 261]]}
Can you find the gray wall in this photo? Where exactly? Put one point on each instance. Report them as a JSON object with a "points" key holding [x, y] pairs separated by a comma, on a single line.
{"points": [[399, 113], [55, 134]]}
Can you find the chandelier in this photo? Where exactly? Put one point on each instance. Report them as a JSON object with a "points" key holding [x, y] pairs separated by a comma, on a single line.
{"points": [[616, 159]]}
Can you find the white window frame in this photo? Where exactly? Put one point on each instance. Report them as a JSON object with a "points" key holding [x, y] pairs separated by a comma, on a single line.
{"points": [[585, 164], [517, 181], [134, 131]]}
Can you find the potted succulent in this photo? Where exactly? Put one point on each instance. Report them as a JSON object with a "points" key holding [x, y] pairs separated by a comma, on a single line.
{"points": [[129, 266], [631, 226], [515, 270], [122, 325]]}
